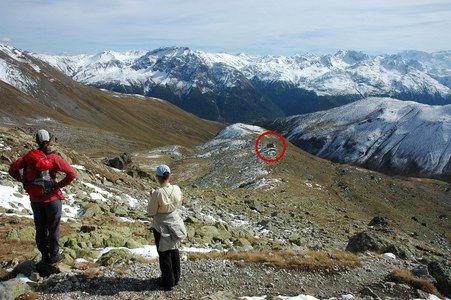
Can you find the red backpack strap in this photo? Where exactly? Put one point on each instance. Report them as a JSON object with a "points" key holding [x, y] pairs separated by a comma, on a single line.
{"points": [[39, 160], [34, 156]]}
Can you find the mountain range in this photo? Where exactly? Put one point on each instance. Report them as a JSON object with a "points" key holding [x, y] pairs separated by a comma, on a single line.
{"points": [[243, 88], [398, 137]]}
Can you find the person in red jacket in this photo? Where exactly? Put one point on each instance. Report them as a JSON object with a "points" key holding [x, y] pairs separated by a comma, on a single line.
{"points": [[47, 208]]}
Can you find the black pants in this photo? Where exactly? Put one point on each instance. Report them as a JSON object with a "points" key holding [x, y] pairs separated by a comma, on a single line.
{"points": [[169, 263], [47, 218]]}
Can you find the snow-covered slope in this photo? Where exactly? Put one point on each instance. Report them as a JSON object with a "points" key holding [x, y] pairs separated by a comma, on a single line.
{"points": [[378, 133], [15, 69], [233, 160], [219, 82]]}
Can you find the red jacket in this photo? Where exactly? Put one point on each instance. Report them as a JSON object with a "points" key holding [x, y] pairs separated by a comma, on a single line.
{"points": [[59, 165]]}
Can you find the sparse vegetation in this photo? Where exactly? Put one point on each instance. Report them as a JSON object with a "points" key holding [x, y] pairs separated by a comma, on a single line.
{"points": [[29, 296], [406, 277], [330, 261], [15, 248]]}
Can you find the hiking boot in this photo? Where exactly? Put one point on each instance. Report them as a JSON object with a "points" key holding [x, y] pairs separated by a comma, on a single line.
{"points": [[56, 259], [45, 259], [162, 286]]}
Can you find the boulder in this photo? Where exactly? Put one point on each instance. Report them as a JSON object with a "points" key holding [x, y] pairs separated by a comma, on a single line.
{"points": [[136, 172], [379, 221], [116, 239], [242, 242], [421, 271], [120, 161], [88, 228], [132, 244], [191, 220], [372, 240], [87, 253], [115, 256], [441, 271], [223, 232], [12, 234], [120, 210], [297, 240], [207, 232], [13, 288], [46, 270], [27, 234], [368, 241], [92, 210], [255, 205]]}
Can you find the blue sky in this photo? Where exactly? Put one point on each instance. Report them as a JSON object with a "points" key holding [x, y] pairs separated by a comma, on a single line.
{"points": [[257, 27]]}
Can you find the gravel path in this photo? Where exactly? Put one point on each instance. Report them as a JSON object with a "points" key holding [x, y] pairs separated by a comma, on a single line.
{"points": [[222, 279]]}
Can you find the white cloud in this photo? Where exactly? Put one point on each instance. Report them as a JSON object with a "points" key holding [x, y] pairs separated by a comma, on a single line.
{"points": [[256, 27]]}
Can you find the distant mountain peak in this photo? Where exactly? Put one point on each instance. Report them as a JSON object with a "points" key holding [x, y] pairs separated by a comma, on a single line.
{"points": [[243, 88]]}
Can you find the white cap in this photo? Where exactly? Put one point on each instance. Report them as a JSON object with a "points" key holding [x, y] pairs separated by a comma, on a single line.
{"points": [[161, 169], [42, 136]]}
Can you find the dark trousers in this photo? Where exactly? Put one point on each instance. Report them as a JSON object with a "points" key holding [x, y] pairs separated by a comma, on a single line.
{"points": [[169, 263], [47, 218]]}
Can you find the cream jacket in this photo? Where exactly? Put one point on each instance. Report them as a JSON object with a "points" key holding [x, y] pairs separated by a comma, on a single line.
{"points": [[163, 206], [165, 200]]}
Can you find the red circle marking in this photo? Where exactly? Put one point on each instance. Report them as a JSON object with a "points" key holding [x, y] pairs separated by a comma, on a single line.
{"points": [[278, 157]]}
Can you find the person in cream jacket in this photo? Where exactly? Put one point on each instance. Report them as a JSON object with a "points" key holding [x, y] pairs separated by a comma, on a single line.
{"points": [[167, 226]]}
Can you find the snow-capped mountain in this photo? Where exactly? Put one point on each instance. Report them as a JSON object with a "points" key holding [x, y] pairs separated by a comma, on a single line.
{"points": [[33, 92], [378, 133], [190, 79], [19, 70], [243, 88]]}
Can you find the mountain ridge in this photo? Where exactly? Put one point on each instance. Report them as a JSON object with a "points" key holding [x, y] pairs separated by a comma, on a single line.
{"points": [[398, 137], [212, 84], [36, 94]]}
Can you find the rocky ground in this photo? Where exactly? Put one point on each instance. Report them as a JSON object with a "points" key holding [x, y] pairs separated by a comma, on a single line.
{"points": [[222, 279], [299, 206]]}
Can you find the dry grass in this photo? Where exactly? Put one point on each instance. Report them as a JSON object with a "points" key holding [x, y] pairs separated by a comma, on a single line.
{"points": [[332, 261], [91, 273], [406, 277], [17, 249], [13, 248], [86, 265], [145, 260], [29, 296]]}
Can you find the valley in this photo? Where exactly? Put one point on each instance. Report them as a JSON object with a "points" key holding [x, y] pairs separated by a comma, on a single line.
{"points": [[302, 226]]}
